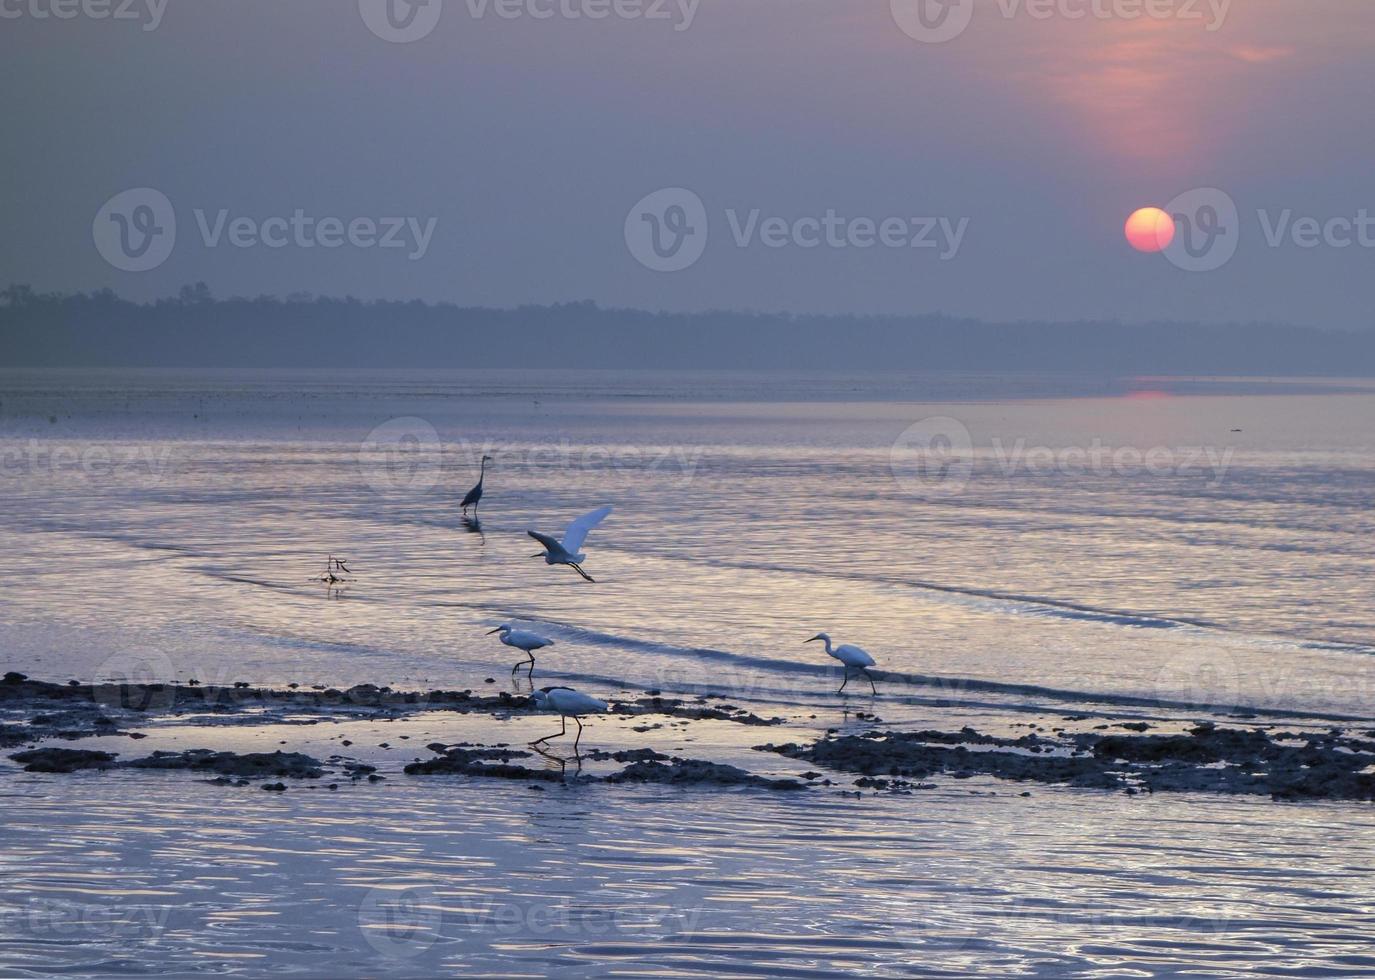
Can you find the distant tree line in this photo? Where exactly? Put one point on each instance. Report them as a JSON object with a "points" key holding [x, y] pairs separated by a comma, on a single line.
{"points": [[194, 329]]}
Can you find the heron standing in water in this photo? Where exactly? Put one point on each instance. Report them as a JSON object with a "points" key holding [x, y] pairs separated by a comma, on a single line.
{"points": [[569, 704], [474, 496], [522, 640], [851, 656]]}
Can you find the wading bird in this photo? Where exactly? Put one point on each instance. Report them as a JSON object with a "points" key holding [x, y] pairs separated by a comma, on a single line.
{"points": [[566, 552], [474, 496], [851, 656], [569, 704], [522, 640]]}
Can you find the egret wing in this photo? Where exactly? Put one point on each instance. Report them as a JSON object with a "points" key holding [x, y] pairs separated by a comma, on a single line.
{"points": [[578, 530], [550, 544]]}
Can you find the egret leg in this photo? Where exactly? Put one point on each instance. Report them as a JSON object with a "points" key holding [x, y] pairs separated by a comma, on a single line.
{"points": [[522, 663], [870, 678], [578, 569], [559, 735], [579, 737], [845, 681]]}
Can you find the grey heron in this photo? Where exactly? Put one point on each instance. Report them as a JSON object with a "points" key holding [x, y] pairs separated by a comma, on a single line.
{"points": [[474, 496]]}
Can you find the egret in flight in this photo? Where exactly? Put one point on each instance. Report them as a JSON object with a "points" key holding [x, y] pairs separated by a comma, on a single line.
{"points": [[566, 552], [522, 640], [474, 496], [851, 656], [569, 704]]}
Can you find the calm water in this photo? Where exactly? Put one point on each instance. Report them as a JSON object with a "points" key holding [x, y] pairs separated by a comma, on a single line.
{"points": [[1168, 549]]}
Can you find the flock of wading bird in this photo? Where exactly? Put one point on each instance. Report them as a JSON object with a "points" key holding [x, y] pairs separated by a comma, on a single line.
{"points": [[567, 550]]}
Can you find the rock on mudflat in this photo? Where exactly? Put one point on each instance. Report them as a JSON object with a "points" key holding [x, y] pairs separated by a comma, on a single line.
{"points": [[248, 764], [64, 760], [291, 764], [646, 766], [480, 761], [1207, 758], [696, 771]]}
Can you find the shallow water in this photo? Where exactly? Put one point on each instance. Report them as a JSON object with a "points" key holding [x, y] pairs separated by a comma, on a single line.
{"points": [[1115, 548], [498, 880]]}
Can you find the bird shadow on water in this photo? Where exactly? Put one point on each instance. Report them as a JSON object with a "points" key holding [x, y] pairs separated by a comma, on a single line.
{"points": [[561, 761], [474, 526]]}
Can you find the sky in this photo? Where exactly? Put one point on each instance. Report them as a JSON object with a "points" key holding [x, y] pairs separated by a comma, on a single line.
{"points": [[973, 157]]}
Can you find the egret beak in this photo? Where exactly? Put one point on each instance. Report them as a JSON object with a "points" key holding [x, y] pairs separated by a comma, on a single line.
{"points": [[539, 555], [497, 630], [813, 638]]}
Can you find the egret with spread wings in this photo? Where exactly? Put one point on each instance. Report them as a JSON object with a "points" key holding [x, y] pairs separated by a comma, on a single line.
{"points": [[566, 552]]}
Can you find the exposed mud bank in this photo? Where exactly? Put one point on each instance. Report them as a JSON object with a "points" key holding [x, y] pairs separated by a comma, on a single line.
{"points": [[1283, 765]]}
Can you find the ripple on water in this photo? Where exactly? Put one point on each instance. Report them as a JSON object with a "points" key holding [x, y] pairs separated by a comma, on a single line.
{"points": [[174, 877]]}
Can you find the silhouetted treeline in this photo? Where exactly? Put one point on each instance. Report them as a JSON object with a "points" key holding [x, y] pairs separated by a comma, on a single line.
{"points": [[196, 330]]}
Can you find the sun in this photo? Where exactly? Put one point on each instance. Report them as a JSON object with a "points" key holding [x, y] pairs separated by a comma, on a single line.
{"points": [[1150, 230]]}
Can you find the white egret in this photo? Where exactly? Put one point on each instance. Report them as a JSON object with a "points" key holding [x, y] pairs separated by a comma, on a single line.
{"points": [[569, 704], [566, 552], [522, 640], [474, 496], [851, 656]]}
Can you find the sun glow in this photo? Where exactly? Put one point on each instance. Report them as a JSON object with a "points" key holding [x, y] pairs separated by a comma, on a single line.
{"points": [[1150, 230]]}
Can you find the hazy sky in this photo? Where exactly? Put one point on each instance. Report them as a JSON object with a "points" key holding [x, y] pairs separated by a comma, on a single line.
{"points": [[519, 140]]}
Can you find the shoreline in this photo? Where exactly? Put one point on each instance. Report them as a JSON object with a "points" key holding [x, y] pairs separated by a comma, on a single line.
{"points": [[39, 718]]}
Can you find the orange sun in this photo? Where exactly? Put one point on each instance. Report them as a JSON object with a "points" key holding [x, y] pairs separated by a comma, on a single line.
{"points": [[1150, 230]]}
